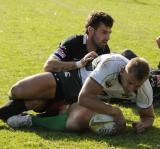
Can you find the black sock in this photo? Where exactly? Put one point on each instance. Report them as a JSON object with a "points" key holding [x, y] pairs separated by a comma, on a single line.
{"points": [[13, 107]]}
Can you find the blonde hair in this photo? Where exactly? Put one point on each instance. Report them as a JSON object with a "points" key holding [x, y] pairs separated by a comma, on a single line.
{"points": [[139, 68]]}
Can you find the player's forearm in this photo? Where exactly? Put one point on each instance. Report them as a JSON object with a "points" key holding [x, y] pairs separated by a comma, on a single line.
{"points": [[93, 103], [57, 66], [147, 116], [148, 122]]}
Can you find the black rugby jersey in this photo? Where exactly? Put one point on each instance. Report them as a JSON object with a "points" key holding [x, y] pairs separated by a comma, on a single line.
{"points": [[74, 48]]}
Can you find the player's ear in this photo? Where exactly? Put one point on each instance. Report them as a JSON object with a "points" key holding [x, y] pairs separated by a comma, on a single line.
{"points": [[90, 30]]}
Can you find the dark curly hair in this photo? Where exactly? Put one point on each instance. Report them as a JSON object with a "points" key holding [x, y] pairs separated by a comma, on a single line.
{"points": [[96, 18]]}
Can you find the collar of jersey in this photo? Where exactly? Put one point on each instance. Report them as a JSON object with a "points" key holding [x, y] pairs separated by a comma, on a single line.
{"points": [[85, 38]]}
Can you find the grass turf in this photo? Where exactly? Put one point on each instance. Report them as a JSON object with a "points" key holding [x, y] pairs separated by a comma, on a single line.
{"points": [[30, 31]]}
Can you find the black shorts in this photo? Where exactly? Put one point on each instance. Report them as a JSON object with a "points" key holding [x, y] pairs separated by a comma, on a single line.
{"points": [[155, 83], [68, 86]]}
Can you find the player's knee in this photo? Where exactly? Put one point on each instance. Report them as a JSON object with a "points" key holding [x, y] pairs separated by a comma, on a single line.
{"points": [[14, 92], [75, 126], [77, 122], [51, 80]]}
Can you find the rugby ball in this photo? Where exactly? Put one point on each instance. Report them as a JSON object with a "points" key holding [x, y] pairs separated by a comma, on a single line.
{"points": [[103, 124]]}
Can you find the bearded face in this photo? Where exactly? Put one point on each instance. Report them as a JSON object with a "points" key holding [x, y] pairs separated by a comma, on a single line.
{"points": [[101, 36]]}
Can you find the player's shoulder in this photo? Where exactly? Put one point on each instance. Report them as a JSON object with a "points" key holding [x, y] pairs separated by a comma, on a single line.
{"points": [[145, 95], [114, 58], [146, 87], [73, 39]]}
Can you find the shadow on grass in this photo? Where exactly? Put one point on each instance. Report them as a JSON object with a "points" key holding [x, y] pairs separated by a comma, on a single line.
{"points": [[127, 139]]}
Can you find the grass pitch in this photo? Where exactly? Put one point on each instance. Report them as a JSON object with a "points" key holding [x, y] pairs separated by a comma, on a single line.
{"points": [[30, 31]]}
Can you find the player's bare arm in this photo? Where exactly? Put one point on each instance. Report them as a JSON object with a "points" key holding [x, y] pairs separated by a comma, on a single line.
{"points": [[88, 98], [146, 119], [54, 65]]}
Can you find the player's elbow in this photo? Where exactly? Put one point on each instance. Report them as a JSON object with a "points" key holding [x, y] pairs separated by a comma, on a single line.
{"points": [[50, 67], [47, 68], [82, 99]]}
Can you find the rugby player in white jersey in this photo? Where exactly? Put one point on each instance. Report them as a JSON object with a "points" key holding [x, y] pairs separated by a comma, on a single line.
{"points": [[115, 77]]}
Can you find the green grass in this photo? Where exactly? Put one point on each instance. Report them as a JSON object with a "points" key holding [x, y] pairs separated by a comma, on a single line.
{"points": [[30, 31]]}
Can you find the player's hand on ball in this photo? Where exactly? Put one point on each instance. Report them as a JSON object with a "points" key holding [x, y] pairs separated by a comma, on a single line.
{"points": [[138, 127]]}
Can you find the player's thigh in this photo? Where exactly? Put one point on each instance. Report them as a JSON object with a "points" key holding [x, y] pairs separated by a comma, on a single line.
{"points": [[35, 85]]}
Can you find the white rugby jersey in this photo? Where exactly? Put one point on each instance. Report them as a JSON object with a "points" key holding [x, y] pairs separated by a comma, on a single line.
{"points": [[106, 73]]}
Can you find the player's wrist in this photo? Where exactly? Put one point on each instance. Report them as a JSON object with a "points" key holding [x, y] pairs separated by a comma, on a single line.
{"points": [[79, 64], [115, 111]]}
